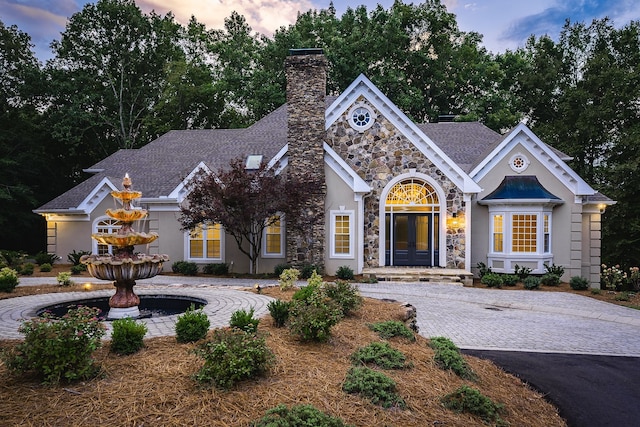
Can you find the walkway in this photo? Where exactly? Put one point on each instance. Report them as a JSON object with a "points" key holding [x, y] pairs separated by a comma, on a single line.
{"points": [[473, 318]]}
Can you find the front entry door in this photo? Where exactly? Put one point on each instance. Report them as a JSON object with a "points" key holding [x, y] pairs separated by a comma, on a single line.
{"points": [[412, 239]]}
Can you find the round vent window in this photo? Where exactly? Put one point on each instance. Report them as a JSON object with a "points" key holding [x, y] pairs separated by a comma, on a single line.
{"points": [[361, 117], [519, 162]]}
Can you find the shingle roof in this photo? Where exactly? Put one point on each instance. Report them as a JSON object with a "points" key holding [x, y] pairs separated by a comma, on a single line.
{"points": [[159, 167]]}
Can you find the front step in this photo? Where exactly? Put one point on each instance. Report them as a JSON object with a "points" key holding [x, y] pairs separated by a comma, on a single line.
{"points": [[416, 274]]}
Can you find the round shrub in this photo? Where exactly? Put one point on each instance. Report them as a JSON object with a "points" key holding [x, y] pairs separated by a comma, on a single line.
{"points": [[185, 267], [492, 280], [231, 356], [78, 268], [380, 354], [278, 269], [374, 385], [45, 268], [192, 326], [312, 318], [579, 283], [531, 282], [64, 278], [550, 279], [288, 278], [345, 294], [216, 269], [510, 279], [8, 279], [279, 311], [27, 269], [58, 349], [244, 321], [127, 336], [307, 270], [297, 416], [344, 273]]}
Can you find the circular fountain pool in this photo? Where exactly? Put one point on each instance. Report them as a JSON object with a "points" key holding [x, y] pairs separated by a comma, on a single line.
{"points": [[150, 305]]}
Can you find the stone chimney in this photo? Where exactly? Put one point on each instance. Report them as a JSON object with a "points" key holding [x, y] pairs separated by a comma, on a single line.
{"points": [[306, 90]]}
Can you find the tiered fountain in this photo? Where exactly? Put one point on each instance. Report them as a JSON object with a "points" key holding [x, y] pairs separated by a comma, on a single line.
{"points": [[124, 266]]}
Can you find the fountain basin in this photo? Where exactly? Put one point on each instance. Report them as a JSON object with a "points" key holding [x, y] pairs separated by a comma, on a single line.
{"points": [[150, 306], [124, 240], [108, 267], [125, 215]]}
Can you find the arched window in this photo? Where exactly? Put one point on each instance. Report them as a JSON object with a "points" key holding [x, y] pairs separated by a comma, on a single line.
{"points": [[413, 192], [107, 226]]}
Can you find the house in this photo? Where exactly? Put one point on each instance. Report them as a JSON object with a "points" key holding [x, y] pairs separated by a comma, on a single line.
{"points": [[397, 193]]}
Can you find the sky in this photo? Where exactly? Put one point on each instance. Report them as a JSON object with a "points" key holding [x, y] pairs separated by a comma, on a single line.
{"points": [[504, 24]]}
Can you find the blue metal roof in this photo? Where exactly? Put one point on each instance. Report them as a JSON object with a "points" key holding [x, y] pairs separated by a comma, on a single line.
{"points": [[520, 187]]}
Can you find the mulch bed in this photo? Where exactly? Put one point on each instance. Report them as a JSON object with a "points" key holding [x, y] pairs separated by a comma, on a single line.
{"points": [[154, 387]]}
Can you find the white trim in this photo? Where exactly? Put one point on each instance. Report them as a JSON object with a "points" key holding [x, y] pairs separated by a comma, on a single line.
{"points": [[94, 229], [344, 171], [442, 199], [371, 115], [332, 215], [97, 195], [363, 87], [521, 134], [180, 191]]}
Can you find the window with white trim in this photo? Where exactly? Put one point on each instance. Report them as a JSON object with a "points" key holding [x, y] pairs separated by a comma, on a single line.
{"points": [[517, 232], [205, 242], [342, 234], [106, 226], [273, 238]]}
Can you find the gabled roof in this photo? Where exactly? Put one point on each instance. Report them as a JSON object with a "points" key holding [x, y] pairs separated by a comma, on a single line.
{"points": [[549, 157], [363, 87]]}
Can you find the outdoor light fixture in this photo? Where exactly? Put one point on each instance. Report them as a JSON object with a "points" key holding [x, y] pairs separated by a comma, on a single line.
{"points": [[602, 207], [87, 286]]}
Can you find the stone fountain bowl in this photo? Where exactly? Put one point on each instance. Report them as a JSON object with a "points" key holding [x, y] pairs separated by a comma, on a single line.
{"points": [[123, 240], [108, 267]]}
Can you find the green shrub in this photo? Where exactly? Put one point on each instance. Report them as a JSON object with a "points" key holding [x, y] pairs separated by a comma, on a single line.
{"points": [[45, 258], [217, 269], [288, 278], [127, 336], [314, 279], [380, 354], [74, 257], [492, 280], [345, 294], [622, 296], [558, 270], [522, 272], [306, 270], [297, 416], [312, 318], [185, 267], [279, 311], [304, 293], [376, 386], [192, 326], [27, 269], [64, 279], [447, 356], [231, 356], [470, 400], [483, 269], [344, 272], [392, 328], [244, 321], [578, 283], [59, 349], [46, 267], [596, 291], [510, 279], [550, 279], [278, 269], [8, 279], [531, 282], [78, 269]]}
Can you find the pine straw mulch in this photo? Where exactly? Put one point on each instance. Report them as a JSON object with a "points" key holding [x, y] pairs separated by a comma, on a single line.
{"points": [[154, 387]]}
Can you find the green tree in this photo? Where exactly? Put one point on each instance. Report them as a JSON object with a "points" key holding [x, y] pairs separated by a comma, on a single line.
{"points": [[23, 163], [245, 202]]}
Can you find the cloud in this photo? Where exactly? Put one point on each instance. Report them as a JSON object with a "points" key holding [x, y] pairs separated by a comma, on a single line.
{"points": [[264, 16], [551, 20]]}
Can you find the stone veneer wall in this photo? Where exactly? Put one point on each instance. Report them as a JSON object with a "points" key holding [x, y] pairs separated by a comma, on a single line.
{"points": [[306, 91], [378, 155]]}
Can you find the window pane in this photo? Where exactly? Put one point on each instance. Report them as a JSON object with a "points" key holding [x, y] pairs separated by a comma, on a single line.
{"points": [[273, 236], [342, 238], [204, 242], [498, 235], [524, 233]]}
